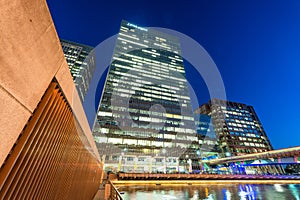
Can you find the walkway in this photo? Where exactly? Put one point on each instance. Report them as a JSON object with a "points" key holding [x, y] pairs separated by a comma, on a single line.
{"points": [[137, 176]]}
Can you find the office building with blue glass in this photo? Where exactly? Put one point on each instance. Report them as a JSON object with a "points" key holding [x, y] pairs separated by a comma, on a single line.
{"points": [[81, 60], [145, 121], [237, 126]]}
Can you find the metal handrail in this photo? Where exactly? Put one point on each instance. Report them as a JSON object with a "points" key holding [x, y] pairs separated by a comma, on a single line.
{"points": [[114, 193], [139, 176]]}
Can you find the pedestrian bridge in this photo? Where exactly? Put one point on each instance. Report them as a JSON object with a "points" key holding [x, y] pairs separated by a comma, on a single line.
{"points": [[293, 154], [140, 176]]}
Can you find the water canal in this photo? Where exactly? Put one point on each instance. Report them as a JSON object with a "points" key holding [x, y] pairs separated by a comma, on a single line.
{"points": [[212, 192]]}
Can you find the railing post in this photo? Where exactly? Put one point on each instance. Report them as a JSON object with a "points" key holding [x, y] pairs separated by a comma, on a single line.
{"points": [[112, 193], [107, 193]]}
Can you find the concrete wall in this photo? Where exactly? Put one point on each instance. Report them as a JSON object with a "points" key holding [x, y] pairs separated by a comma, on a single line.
{"points": [[30, 57]]}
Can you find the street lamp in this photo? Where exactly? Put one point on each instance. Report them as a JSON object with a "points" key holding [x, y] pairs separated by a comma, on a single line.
{"points": [[186, 160], [198, 152], [165, 164], [122, 156], [155, 163]]}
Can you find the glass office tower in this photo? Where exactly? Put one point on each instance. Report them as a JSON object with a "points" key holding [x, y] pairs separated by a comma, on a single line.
{"points": [[81, 61], [145, 121], [238, 128]]}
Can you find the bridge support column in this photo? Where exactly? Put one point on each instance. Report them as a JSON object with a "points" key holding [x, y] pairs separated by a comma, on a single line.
{"points": [[135, 164], [150, 164], [295, 159], [165, 165]]}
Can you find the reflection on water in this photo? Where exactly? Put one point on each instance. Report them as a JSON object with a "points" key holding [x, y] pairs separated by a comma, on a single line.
{"points": [[211, 192]]}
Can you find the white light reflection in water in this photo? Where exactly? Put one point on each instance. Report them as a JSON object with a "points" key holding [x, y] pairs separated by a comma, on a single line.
{"points": [[210, 197], [246, 192], [228, 195], [155, 195], [278, 188], [196, 195], [213, 192]]}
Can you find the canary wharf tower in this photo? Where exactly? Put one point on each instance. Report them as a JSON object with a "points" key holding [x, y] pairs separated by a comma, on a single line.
{"points": [[145, 121]]}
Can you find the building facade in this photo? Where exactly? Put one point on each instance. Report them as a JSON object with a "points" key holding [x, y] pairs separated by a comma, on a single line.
{"points": [[145, 121], [45, 139], [82, 63], [237, 126], [208, 141]]}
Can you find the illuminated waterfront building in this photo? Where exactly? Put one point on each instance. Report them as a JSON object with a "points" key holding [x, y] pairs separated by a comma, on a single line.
{"points": [[237, 126], [81, 62], [145, 121]]}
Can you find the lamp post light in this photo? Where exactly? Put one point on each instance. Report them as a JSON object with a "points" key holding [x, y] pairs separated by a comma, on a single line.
{"points": [[155, 163], [187, 165], [198, 152], [123, 157], [165, 164], [123, 163]]}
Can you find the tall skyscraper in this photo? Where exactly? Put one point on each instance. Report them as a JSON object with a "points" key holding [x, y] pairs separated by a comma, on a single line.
{"points": [[81, 61], [237, 126], [145, 121]]}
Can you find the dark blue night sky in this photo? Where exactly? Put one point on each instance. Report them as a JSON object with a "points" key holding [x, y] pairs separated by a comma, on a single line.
{"points": [[255, 45]]}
